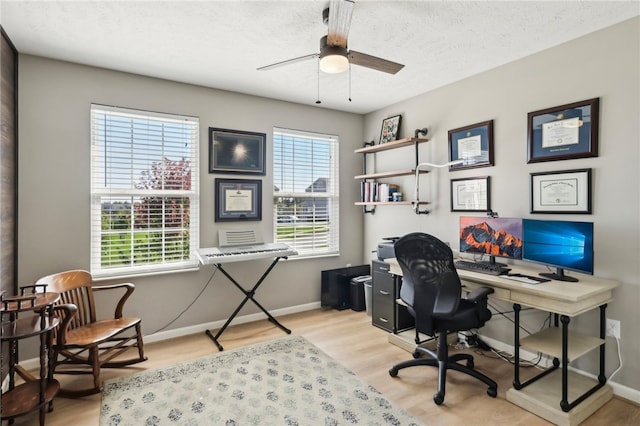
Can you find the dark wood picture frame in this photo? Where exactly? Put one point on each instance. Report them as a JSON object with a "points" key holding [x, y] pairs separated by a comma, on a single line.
{"points": [[390, 129], [473, 144], [238, 200], [472, 194], [235, 151], [566, 191], [564, 132]]}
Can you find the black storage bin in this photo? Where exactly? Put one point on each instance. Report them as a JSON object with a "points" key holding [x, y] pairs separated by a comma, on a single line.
{"points": [[357, 292], [336, 286]]}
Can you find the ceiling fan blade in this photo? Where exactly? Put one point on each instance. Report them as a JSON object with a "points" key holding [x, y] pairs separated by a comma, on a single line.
{"points": [[340, 12], [288, 62], [373, 62]]}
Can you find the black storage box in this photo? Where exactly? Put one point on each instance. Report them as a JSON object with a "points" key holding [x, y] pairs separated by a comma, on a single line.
{"points": [[335, 291]]}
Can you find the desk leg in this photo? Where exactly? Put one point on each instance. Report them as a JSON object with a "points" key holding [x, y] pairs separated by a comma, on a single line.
{"points": [[603, 330], [516, 347], [249, 295], [564, 402]]}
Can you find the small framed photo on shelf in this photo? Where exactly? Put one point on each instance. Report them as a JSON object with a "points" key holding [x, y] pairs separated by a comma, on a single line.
{"points": [[238, 200], [390, 129], [567, 191], [564, 132], [234, 151], [472, 144], [470, 194]]}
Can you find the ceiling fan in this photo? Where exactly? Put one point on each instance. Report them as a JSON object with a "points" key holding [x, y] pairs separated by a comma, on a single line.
{"points": [[334, 56]]}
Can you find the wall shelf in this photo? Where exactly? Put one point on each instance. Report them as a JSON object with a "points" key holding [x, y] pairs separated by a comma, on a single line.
{"points": [[372, 177]]}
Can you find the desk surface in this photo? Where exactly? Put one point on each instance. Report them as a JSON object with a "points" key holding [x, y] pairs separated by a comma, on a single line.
{"points": [[560, 297]]}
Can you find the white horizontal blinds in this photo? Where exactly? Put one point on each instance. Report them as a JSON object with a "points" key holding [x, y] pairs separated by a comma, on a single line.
{"points": [[306, 198], [144, 191]]}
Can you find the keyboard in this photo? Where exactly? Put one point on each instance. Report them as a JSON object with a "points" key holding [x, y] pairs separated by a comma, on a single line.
{"points": [[243, 253], [483, 268]]}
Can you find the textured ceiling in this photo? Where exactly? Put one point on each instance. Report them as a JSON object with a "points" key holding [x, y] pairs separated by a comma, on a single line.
{"points": [[221, 43]]}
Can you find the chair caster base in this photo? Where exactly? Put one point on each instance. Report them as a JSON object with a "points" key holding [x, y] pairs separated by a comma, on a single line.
{"points": [[438, 398], [492, 392], [393, 372]]}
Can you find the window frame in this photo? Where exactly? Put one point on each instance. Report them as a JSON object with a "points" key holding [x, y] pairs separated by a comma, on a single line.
{"points": [[307, 189], [101, 165]]}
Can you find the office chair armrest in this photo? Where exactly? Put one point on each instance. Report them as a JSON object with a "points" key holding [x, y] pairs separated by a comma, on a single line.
{"points": [[129, 288], [479, 294]]}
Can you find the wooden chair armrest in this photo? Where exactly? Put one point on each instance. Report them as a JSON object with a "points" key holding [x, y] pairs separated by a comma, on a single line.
{"points": [[129, 287], [65, 312]]}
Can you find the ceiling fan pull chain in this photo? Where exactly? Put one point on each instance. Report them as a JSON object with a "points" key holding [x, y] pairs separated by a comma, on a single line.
{"points": [[349, 81], [318, 98]]}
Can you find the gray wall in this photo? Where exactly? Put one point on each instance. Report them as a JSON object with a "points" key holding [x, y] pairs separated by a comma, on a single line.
{"points": [[604, 64], [54, 162]]}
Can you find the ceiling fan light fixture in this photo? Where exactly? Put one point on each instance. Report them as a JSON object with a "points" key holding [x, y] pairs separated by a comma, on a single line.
{"points": [[333, 59]]}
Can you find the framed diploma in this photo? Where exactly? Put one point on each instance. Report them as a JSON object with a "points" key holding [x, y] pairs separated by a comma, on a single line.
{"points": [[472, 144], [470, 194], [234, 151], [566, 191], [564, 132], [238, 200]]}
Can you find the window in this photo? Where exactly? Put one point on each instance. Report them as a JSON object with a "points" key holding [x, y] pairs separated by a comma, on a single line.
{"points": [[305, 191], [144, 191]]}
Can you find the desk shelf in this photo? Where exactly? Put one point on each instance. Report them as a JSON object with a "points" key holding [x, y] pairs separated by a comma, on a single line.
{"points": [[549, 341]]}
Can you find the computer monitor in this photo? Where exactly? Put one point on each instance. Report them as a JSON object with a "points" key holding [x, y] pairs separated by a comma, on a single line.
{"points": [[492, 236], [560, 244]]}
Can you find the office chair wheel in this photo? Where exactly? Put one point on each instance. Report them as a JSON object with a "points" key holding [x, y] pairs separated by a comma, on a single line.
{"points": [[393, 372], [492, 392], [438, 398]]}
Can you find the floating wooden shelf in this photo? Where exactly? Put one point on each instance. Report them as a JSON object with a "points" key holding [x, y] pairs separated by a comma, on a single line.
{"points": [[390, 145], [389, 174]]}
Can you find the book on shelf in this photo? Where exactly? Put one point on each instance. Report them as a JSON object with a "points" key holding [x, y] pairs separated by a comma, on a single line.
{"points": [[377, 192]]}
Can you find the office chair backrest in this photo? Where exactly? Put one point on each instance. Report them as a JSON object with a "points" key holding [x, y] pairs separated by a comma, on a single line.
{"points": [[427, 267]]}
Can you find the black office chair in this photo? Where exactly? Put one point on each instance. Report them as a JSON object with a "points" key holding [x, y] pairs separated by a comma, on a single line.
{"points": [[432, 290]]}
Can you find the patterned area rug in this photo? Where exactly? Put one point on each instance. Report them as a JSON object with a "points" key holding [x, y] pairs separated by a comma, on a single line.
{"points": [[283, 382]]}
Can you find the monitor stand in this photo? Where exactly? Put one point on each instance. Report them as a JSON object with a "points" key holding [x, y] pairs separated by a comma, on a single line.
{"points": [[492, 262], [559, 275]]}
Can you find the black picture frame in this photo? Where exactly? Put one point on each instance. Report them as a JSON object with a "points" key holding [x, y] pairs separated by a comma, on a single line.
{"points": [[472, 194], [238, 200], [390, 129], [236, 151], [566, 191], [473, 145], [564, 132]]}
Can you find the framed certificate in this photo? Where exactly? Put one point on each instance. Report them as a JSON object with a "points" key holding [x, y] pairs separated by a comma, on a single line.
{"points": [[566, 191], [564, 132], [238, 200], [470, 194], [472, 144]]}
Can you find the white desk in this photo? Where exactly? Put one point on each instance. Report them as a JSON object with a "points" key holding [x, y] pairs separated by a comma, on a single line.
{"points": [[548, 395]]}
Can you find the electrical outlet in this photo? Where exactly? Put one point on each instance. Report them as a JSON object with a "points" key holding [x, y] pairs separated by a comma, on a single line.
{"points": [[613, 328]]}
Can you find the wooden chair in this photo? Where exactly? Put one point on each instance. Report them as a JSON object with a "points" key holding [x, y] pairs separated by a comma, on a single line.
{"points": [[88, 341]]}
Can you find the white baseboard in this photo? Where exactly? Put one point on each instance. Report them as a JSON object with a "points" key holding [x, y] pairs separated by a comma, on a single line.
{"points": [[33, 363], [619, 390]]}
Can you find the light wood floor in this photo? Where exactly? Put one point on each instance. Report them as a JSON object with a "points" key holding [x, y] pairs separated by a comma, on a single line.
{"points": [[349, 337]]}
